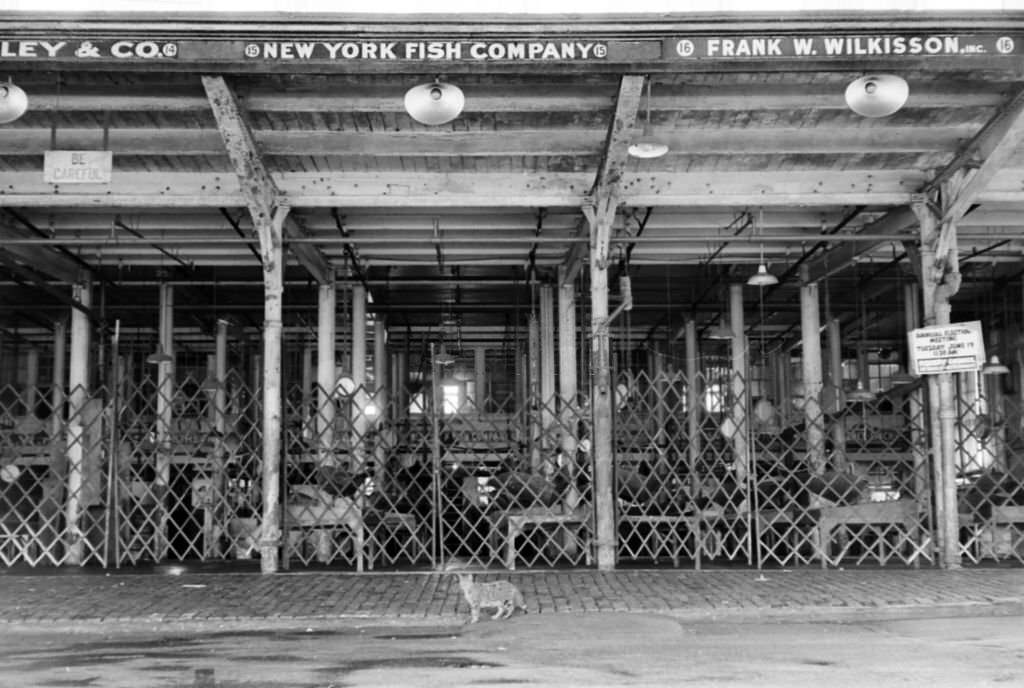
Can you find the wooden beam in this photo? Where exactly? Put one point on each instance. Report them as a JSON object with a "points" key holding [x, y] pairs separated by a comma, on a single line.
{"points": [[529, 141], [621, 131], [259, 189], [553, 190]]}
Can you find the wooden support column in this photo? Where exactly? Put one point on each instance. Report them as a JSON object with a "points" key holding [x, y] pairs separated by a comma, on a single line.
{"points": [[740, 385], [601, 392], [600, 214], [326, 374], [810, 334], [78, 397], [269, 215], [941, 280], [272, 251]]}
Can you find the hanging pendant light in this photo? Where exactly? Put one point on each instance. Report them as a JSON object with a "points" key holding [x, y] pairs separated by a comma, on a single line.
{"points": [[762, 278], [13, 102], [159, 356], [877, 95], [443, 358], [648, 146], [434, 103], [860, 394], [718, 331], [995, 367]]}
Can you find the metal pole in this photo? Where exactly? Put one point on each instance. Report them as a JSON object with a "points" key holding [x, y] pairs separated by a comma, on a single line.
{"points": [[78, 396], [740, 388], [380, 367], [567, 395], [533, 400], [326, 373], [835, 367], [111, 526], [695, 440], [164, 419], [810, 327], [480, 378], [547, 368], [360, 424], [31, 381]]}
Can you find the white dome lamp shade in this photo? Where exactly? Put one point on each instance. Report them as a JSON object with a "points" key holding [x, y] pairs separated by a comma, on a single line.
{"points": [[434, 103], [762, 278], [13, 102], [648, 146], [877, 95]]}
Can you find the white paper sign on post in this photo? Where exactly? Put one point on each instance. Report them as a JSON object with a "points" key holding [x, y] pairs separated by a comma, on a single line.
{"points": [[77, 167], [954, 348]]}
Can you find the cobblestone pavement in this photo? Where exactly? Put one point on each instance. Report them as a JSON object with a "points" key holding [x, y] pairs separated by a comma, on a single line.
{"points": [[418, 597]]}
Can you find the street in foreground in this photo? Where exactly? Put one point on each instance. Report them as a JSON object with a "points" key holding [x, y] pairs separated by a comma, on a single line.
{"points": [[593, 649]]}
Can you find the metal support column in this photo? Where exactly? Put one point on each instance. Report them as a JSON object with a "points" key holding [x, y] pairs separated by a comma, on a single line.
{"points": [[326, 374], [78, 396], [740, 388], [810, 335]]}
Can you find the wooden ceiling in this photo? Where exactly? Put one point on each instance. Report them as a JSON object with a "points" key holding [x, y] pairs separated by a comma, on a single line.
{"points": [[766, 164]]}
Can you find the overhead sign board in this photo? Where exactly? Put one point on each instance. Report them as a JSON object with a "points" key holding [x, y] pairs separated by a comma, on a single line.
{"points": [[954, 348], [78, 167], [839, 46]]}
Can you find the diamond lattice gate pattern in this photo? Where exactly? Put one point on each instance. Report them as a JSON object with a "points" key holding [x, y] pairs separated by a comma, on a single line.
{"points": [[133, 472], [704, 478], [989, 457]]}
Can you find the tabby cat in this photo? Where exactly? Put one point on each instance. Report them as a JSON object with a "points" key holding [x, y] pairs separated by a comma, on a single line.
{"points": [[501, 595]]}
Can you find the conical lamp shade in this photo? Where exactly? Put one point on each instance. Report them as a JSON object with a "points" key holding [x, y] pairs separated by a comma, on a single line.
{"points": [[159, 356], [443, 358], [877, 95], [902, 378], [13, 102], [860, 394], [718, 331], [994, 367], [647, 146], [762, 278], [434, 103]]}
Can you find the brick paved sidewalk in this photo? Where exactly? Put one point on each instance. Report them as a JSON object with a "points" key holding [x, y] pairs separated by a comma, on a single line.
{"points": [[435, 598]]}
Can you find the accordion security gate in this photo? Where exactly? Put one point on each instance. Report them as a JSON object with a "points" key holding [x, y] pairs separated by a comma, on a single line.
{"points": [[409, 482], [703, 480]]}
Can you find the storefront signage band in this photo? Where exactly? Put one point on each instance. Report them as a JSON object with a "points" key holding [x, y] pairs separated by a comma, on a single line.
{"points": [[328, 50], [811, 46]]}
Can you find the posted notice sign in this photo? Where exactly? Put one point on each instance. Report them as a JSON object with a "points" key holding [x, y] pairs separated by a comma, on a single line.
{"points": [[77, 167], [954, 348]]}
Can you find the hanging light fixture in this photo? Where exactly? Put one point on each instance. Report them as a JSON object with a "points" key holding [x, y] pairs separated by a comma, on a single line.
{"points": [[719, 330], [434, 103], [762, 278], [648, 146], [159, 356], [877, 95], [995, 367], [443, 358], [860, 394], [13, 102]]}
